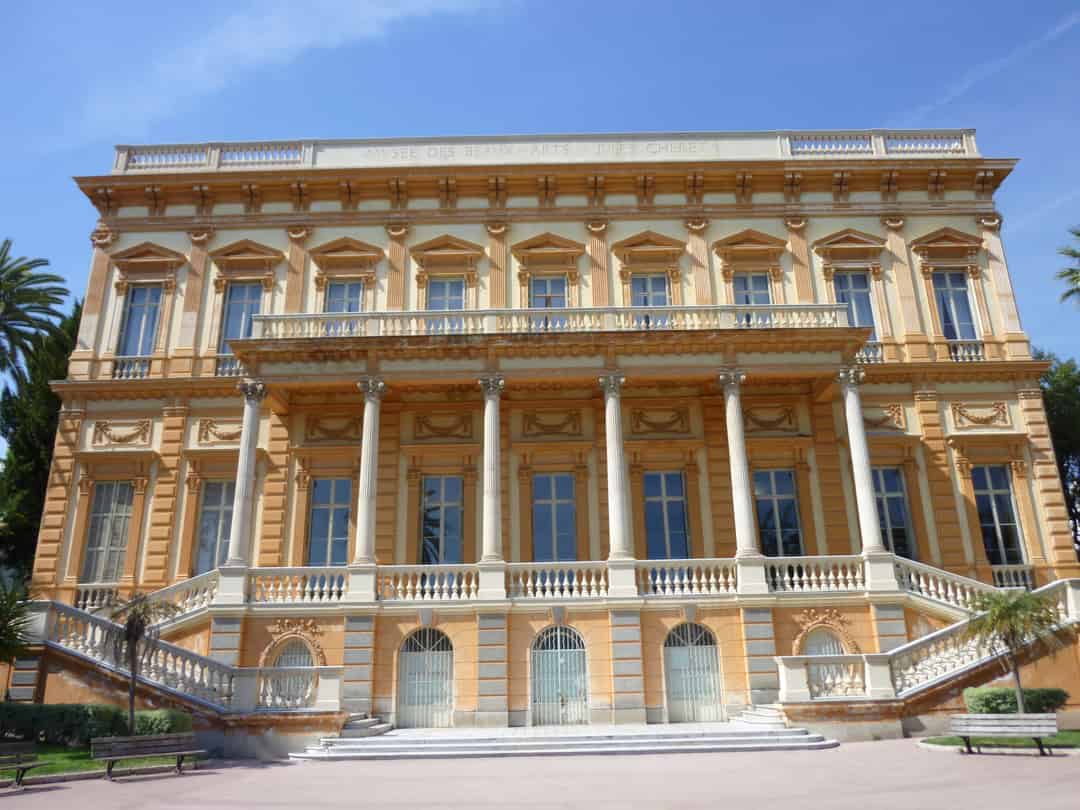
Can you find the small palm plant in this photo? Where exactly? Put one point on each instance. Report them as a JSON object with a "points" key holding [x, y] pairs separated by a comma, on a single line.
{"points": [[136, 642], [1071, 275], [1011, 621], [28, 305], [14, 622]]}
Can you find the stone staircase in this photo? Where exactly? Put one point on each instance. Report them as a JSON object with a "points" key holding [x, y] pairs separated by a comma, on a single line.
{"points": [[471, 743], [763, 716], [361, 725]]}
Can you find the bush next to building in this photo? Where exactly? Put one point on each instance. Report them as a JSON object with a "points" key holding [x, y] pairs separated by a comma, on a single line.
{"points": [[1002, 700], [75, 724]]}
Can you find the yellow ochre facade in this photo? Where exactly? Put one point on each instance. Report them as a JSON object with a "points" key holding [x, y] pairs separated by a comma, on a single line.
{"points": [[557, 429]]}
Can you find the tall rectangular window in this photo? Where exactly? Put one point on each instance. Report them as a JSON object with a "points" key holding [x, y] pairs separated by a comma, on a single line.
{"points": [[441, 516], [141, 313], [751, 289], [665, 516], [344, 296], [777, 513], [954, 305], [547, 292], [215, 520], [852, 288], [554, 517], [649, 290], [328, 525], [997, 514], [242, 302], [445, 295], [106, 542], [892, 509]]}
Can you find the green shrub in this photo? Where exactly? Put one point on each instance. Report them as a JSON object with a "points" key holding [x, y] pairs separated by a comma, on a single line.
{"points": [[1002, 700], [75, 724], [162, 721]]}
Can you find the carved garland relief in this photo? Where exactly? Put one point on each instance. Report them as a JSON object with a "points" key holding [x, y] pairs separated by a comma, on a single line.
{"points": [[110, 431], [967, 415], [781, 419], [887, 417], [333, 428], [443, 426], [659, 420], [211, 431], [550, 423]]}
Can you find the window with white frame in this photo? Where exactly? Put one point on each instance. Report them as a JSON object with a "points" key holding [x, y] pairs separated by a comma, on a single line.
{"points": [[852, 289], [215, 521], [751, 289], [777, 513], [344, 296], [441, 516], [243, 301], [997, 514], [554, 517], [649, 290], [106, 542], [445, 295], [666, 533], [954, 305], [547, 292], [328, 525], [142, 310], [893, 515]]}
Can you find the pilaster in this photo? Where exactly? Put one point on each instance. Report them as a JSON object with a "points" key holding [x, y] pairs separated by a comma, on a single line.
{"points": [[698, 249], [800, 259], [163, 503], [759, 640], [359, 660], [492, 705], [297, 264], [225, 638], [627, 674], [498, 263], [397, 258], [890, 627], [599, 259]]}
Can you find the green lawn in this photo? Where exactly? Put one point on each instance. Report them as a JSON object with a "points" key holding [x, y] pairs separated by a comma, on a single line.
{"points": [[61, 759], [1063, 739]]}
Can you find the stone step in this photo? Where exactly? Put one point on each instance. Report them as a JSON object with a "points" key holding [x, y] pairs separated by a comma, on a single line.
{"points": [[358, 721], [351, 731], [440, 740]]}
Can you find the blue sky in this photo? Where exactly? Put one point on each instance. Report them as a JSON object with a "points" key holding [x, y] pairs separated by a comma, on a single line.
{"points": [[78, 79]]}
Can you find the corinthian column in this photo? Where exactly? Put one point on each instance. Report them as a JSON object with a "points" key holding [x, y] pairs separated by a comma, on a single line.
{"points": [[373, 389], [746, 540], [869, 528], [240, 530], [620, 537], [492, 547]]}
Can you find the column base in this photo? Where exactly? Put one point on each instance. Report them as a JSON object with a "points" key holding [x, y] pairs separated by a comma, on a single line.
{"points": [[232, 585], [492, 585], [622, 578], [750, 574], [362, 583]]}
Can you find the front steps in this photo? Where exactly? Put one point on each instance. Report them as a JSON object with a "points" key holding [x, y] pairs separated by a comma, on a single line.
{"points": [[565, 741], [763, 716], [360, 725]]}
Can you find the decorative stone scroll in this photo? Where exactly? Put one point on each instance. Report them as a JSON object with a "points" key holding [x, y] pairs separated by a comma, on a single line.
{"points": [[110, 432], [535, 424], [333, 428], [780, 419], [443, 426], [968, 415], [659, 420], [282, 631], [211, 431], [829, 619], [885, 417]]}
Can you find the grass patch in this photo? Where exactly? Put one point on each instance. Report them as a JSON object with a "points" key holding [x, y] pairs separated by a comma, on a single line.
{"points": [[61, 759], [1063, 739]]}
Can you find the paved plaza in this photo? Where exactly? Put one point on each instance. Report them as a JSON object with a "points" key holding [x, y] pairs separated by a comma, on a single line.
{"points": [[889, 774]]}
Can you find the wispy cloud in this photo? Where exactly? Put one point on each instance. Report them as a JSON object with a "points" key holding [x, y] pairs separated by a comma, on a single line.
{"points": [[262, 34], [992, 67], [1035, 215]]}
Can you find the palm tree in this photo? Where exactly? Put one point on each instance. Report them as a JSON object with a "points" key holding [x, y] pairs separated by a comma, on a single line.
{"points": [[134, 645], [14, 622], [28, 304], [1010, 621], [1071, 275]]}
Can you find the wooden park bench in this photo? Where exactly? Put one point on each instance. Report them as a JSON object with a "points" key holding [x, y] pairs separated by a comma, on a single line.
{"points": [[1035, 726], [19, 757], [116, 749]]}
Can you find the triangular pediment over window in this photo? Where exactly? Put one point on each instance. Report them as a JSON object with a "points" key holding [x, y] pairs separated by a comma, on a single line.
{"points": [[548, 250], [649, 247], [446, 250], [750, 245], [849, 244], [346, 254], [147, 257], [246, 255], [947, 243]]}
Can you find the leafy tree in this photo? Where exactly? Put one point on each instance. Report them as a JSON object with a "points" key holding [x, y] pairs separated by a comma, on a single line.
{"points": [[1012, 620], [134, 645], [28, 305], [14, 622], [1061, 395], [29, 413], [1071, 275]]}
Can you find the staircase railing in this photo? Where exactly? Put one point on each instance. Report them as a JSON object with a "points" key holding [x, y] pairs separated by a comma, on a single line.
{"points": [[934, 583]]}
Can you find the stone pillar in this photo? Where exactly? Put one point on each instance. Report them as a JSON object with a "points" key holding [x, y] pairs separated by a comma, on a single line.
{"points": [[628, 682], [759, 639], [492, 566], [231, 587], [599, 275], [879, 569], [492, 671], [373, 389], [359, 663], [621, 580]]}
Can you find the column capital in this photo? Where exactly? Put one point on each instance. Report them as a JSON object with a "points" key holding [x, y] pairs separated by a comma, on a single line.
{"points": [[611, 384], [851, 377], [492, 384], [372, 387], [731, 378], [253, 390]]}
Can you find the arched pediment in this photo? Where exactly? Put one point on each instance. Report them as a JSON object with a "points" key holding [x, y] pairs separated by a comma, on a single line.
{"points": [[346, 253], [649, 248], [246, 255], [947, 243], [750, 245], [850, 245], [446, 250], [548, 250]]}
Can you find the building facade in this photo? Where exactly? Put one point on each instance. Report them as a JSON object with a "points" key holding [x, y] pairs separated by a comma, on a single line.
{"points": [[548, 430]]}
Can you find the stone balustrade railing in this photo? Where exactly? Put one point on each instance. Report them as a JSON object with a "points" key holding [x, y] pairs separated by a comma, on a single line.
{"points": [[1013, 576], [934, 583], [708, 577], [297, 586], [815, 574], [546, 321], [190, 595], [557, 580], [427, 583], [967, 351], [131, 368], [292, 688], [96, 595]]}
